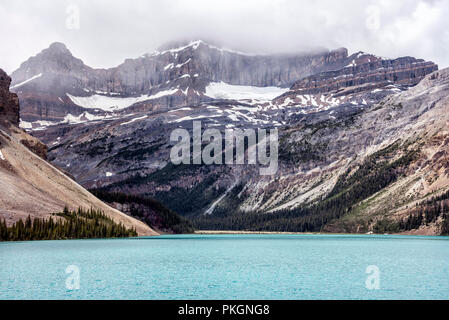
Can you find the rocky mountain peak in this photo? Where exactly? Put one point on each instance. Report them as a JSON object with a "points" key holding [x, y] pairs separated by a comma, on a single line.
{"points": [[56, 53], [53, 61], [181, 44], [339, 53], [58, 47]]}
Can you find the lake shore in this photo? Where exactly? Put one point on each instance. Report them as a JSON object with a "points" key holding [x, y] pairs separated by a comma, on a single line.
{"points": [[230, 232], [250, 232]]}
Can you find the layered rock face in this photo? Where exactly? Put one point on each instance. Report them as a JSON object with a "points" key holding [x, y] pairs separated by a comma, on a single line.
{"points": [[169, 78], [56, 87], [367, 69], [9, 102], [141, 75], [213, 64]]}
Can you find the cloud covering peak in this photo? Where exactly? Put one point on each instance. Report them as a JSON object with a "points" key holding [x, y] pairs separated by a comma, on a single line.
{"points": [[103, 33]]}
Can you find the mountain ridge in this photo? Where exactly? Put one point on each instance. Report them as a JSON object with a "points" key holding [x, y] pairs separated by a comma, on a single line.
{"points": [[175, 77], [55, 87]]}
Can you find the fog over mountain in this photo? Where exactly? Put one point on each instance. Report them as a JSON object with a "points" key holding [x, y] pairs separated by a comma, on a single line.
{"points": [[105, 32]]}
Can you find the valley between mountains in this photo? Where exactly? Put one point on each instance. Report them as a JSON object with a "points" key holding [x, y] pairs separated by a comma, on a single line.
{"points": [[363, 140]]}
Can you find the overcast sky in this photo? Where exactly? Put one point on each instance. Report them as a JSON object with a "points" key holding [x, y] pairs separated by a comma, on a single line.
{"points": [[106, 32]]}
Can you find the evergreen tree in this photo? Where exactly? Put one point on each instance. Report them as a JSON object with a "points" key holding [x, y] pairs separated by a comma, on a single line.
{"points": [[78, 224]]}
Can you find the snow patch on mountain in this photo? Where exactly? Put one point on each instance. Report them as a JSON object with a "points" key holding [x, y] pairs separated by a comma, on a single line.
{"points": [[182, 64], [169, 66], [221, 90], [26, 81], [110, 104], [36, 125], [194, 45], [84, 117], [69, 119], [134, 120], [192, 118]]}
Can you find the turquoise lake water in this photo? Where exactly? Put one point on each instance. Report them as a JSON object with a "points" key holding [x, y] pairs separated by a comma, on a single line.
{"points": [[228, 267]]}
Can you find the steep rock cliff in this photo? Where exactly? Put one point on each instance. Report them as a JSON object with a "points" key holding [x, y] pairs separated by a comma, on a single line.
{"points": [[367, 69], [9, 102]]}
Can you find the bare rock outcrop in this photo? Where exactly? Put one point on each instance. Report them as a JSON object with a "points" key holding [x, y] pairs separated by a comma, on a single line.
{"points": [[363, 69], [44, 82], [9, 102]]}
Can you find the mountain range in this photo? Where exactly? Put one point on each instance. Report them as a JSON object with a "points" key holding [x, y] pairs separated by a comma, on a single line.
{"points": [[362, 139]]}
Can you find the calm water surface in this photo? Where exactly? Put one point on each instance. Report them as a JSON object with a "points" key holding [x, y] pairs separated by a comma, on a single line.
{"points": [[228, 267]]}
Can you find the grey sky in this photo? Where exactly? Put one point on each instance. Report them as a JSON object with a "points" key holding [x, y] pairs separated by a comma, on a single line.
{"points": [[111, 31]]}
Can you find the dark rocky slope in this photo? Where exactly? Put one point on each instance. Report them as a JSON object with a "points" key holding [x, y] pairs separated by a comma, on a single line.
{"points": [[9, 102]]}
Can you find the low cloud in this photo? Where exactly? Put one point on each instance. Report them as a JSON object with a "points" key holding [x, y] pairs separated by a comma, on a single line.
{"points": [[107, 32]]}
